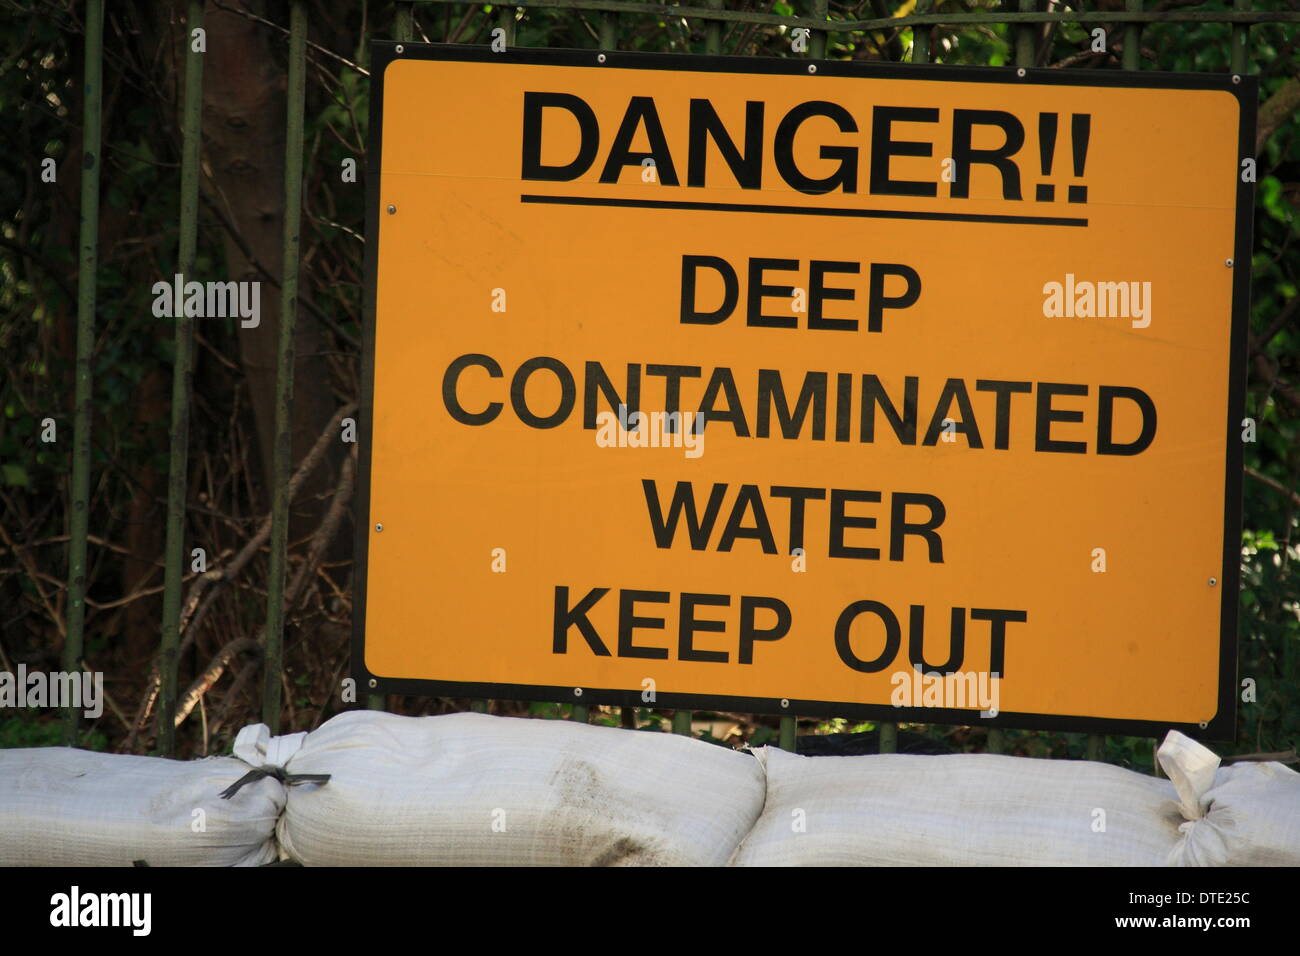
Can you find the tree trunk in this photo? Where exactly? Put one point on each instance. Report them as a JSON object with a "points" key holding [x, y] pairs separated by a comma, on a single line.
{"points": [[244, 128]]}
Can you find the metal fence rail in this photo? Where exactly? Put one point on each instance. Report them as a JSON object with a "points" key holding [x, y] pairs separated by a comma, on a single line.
{"points": [[1019, 14], [1132, 14]]}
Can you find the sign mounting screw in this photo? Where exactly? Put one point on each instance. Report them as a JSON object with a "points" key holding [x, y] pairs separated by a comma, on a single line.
{"points": [[373, 682], [577, 692], [1213, 581], [785, 702], [391, 209], [812, 67], [399, 48], [1204, 725], [379, 527], [1020, 72], [1236, 79], [600, 58], [1228, 263]]}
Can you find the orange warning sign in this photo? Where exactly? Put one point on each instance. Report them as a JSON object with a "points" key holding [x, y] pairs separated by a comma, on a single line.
{"points": [[902, 393]]}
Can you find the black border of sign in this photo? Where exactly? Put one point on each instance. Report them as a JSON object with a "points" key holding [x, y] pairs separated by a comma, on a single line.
{"points": [[1221, 727]]}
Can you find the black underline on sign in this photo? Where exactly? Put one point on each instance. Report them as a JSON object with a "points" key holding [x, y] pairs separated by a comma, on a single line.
{"points": [[801, 210]]}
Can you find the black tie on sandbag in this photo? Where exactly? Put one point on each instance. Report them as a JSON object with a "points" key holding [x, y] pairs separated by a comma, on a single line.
{"points": [[288, 779]]}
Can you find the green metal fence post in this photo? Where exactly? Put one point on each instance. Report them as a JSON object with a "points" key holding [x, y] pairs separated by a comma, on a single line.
{"points": [[788, 740], [506, 21], [88, 261], [404, 21], [997, 741], [282, 456], [1240, 52], [182, 385], [888, 738], [1132, 57], [713, 31], [1096, 743], [1025, 37], [921, 35], [682, 722], [818, 47]]}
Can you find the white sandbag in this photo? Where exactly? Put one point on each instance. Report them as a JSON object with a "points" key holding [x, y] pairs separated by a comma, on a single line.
{"points": [[473, 789], [1245, 814], [959, 810], [64, 807]]}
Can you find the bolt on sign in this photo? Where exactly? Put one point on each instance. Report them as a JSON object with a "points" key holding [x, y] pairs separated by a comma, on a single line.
{"points": [[886, 392]]}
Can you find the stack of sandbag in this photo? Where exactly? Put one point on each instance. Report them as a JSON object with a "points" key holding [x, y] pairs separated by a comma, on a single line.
{"points": [[1245, 814], [960, 810], [473, 789], [63, 807]]}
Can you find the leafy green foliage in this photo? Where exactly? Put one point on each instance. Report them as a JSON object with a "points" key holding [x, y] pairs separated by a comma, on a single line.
{"points": [[24, 728]]}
